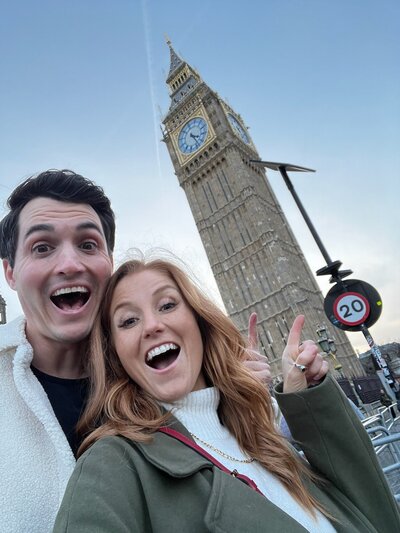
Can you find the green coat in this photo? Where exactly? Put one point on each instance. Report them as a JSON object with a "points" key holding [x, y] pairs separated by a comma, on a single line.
{"points": [[119, 486]]}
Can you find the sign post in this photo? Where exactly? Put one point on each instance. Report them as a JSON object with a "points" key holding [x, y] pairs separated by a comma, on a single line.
{"points": [[378, 358]]}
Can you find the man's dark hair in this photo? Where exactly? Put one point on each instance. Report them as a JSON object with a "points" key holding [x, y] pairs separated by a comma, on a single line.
{"points": [[61, 185]]}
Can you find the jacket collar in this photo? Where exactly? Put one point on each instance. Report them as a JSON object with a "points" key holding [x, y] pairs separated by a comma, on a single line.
{"points": [[13, 334], [170, 455]]}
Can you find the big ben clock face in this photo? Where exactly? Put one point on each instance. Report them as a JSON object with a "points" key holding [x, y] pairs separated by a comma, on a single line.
{"points": [[193, 135], [239, 130]]}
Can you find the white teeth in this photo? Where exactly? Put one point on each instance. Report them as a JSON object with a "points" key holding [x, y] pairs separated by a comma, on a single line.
{"points": [[160, 349], [68, 290]]}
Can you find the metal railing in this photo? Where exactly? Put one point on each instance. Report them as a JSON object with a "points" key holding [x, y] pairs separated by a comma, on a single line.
{"points": [[384, 430]]}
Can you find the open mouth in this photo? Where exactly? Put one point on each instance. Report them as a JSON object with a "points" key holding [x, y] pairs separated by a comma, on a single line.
{"points": [[162, 356], [70, 298]]}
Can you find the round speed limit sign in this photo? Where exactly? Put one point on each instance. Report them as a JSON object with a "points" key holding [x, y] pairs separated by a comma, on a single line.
{"points": [[351, 308], [352, 304]]}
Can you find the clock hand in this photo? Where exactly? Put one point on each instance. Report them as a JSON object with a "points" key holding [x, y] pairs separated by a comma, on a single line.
{"points": [[194, 136]]}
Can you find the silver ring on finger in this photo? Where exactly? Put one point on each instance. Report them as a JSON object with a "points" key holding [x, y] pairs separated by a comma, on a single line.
{"points": [[300, 367]]}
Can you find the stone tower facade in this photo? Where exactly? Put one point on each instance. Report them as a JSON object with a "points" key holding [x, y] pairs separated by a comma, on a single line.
{"points": [[255, 258]]}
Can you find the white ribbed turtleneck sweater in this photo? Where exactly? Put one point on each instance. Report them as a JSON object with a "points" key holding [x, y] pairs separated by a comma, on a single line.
{"points": [[198, 413]]}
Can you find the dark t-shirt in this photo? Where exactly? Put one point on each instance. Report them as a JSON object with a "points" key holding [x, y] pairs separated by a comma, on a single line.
{"points": [[68, 398]]}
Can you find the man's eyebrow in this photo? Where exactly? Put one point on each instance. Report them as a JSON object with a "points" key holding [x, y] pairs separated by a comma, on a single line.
{"points": [[90, 225], [39, 227], [49, 227]]}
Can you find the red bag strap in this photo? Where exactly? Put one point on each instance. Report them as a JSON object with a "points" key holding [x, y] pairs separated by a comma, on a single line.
{"points": [[182, 438]]}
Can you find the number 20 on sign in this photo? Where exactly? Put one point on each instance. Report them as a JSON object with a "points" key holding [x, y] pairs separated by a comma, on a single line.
{"points": [[351, 308], [352, 305]]}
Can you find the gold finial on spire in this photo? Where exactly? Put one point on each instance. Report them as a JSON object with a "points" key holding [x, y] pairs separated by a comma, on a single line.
{"points": [[167, 39]]}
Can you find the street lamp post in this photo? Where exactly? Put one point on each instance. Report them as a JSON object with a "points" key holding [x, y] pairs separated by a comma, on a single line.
{"points": [[328, 346], [332, 267]]}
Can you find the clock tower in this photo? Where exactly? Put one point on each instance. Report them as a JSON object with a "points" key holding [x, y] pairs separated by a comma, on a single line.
{"points": [[256, 260]]}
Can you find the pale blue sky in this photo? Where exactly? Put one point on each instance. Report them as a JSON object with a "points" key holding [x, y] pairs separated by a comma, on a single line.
{"points": [[317, 82]]}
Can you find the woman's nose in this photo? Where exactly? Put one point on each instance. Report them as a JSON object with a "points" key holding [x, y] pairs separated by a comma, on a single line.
{"points": [[152, 325]]}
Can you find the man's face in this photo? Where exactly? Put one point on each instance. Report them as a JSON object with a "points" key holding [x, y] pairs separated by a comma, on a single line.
{"points": [[60, 270]]}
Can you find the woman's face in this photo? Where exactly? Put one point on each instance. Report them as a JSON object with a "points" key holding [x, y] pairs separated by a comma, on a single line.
{"points": [[156, 335]]}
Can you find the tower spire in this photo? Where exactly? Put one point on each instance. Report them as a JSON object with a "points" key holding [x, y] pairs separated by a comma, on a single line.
{"points": [[182, 79], [175, 60]]}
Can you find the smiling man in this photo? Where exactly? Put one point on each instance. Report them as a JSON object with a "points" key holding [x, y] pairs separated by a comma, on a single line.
{"points": [[56, 243]]}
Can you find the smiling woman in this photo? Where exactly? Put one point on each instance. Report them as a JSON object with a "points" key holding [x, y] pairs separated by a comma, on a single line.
{"points": [[181, 436], [156, 335]]}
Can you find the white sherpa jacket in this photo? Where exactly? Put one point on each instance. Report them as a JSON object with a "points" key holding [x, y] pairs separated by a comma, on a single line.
{"points": [[36, 460]]}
